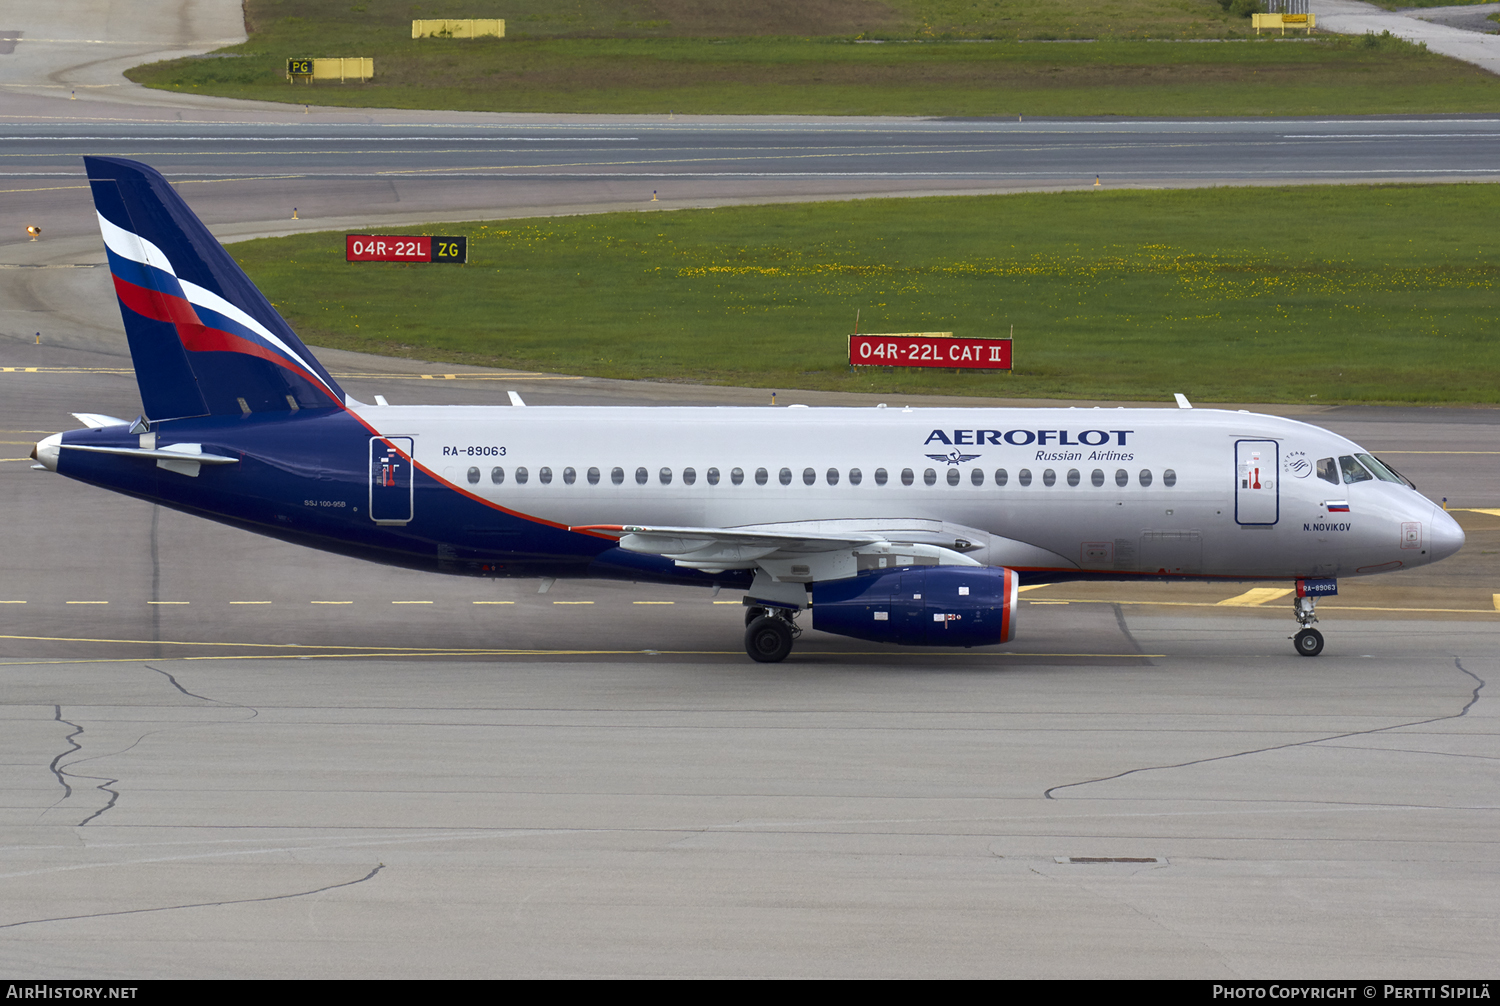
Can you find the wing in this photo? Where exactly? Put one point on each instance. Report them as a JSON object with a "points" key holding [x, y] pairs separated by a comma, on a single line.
{"points": [[789, 554]]}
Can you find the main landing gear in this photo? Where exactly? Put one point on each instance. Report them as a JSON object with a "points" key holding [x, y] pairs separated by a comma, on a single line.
{"points": [[769, 633], [1309, 641]]}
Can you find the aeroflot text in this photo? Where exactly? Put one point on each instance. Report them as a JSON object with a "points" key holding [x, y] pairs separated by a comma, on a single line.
{"points": [[1020, 438], [1476, 991]]}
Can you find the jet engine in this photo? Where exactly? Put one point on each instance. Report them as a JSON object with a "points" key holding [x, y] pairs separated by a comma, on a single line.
{"points": [[921, 606]]}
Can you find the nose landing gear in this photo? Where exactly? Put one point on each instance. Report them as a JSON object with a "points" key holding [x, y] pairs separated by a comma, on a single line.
{"points": [[1309, 641]]}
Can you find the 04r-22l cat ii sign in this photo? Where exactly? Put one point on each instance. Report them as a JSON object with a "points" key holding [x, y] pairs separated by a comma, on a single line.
{"points": [[928, 349], [909, 526]]}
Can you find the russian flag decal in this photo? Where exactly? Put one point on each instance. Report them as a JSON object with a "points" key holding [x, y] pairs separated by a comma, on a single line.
{"points": [[1337, 506]]}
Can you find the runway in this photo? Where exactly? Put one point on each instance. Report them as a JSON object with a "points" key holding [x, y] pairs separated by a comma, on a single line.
{"points": [[229, 757]]}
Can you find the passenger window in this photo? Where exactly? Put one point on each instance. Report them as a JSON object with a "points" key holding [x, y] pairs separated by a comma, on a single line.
{"points": [[855, 475], [689, 476], [569, 476], [473, 476], [642, 476], [1049, 478], [809, 476], [497, 475], [1122, 478], [907, 478], [785, 475], [880, 476], [544, 475], [929, 477], [1073, 477], [1328, 470], [1001, 476], [617, 476], [737, 475], [521, 476], [593, 476], [832, 476], [1169, 478], [1024, 477], [976, 477], [1353, 470], [761, 476], [953, 476], [1145, 477], [713, 476], [1097, 478], [665, 475]]}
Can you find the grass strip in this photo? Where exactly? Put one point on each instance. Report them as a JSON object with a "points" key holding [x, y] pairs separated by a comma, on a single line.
{"points": [[923, 57], [1321, 294]]}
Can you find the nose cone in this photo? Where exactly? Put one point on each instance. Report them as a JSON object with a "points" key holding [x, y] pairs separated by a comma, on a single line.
{"points": [[46, 451], [1447, 536]]}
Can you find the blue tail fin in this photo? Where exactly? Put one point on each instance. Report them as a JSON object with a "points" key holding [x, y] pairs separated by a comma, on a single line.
{"points": [[204, 340]]}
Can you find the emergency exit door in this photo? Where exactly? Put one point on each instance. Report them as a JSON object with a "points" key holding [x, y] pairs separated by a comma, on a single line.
{"points": [[1257, 493], [391, 480]]}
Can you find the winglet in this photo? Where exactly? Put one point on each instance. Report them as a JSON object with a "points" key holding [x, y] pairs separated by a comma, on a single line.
{"points": [[1182, 402]]}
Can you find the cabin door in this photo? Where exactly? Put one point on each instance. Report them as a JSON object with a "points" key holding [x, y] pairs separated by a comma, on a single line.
{"points": [[1257, 495], [391, 480]]}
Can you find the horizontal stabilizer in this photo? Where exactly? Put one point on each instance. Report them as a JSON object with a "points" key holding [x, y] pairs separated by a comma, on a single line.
{"points": [[95, 421]]}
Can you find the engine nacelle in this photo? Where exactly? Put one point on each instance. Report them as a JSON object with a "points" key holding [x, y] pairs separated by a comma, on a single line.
{"points": [[921, 606]]}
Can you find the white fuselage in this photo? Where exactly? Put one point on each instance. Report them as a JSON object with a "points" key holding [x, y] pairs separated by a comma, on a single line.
{"points": [[1106, 491]]}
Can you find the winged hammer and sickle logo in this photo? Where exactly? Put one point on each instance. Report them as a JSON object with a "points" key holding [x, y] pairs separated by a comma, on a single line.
{"points": [[953, 457]]}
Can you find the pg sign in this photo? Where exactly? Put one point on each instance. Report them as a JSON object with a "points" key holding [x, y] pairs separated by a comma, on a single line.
{"points": [[928, 349], [405, 248]]}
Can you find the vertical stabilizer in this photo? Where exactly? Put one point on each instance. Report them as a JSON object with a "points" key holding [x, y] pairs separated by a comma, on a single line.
{"points": [[204, 340]]}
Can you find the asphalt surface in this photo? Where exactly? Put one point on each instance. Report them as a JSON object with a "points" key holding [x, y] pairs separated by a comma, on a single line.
{"points": [[353, 174], [224, 756]]}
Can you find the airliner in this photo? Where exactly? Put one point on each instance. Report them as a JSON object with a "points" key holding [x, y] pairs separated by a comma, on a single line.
{"points": [[895, 525]]}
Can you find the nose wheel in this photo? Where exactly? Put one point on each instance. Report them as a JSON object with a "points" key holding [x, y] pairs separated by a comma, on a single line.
{"points": [[1309, 641]]}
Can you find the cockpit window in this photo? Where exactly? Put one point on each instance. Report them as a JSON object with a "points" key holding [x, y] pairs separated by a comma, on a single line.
{"points": [[1328, 470], [1353, 470], [1382, 473]]}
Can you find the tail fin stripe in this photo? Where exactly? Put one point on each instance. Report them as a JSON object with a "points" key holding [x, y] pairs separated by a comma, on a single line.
{"points": [[200, 338], [209, 303], [139, 266], [156, 305], [130, 245], [144, 276]]}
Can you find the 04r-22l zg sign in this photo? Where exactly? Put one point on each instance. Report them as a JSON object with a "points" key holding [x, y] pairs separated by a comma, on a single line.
{"points": [[405, 248], [928, 349]]}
